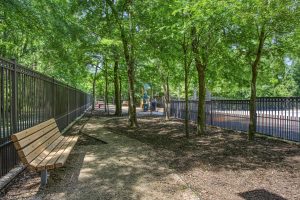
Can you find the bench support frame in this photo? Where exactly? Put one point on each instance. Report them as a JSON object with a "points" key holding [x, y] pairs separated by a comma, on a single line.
{"points": [[44, 177]]}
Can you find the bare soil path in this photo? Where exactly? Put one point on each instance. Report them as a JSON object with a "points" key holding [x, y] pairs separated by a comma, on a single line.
{"points": [[124, 168]]}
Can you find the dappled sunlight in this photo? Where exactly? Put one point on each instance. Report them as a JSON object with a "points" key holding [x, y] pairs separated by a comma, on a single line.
{"points": [[85, 174], [128, 68], [137, 177], [294, 159], [61, 196], [221, 159], [122, 168], [92, 127], [89, 158], [156, 161]]}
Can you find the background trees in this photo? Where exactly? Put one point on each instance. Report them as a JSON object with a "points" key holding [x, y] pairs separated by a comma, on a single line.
{"points": [[235, 49], [260, 29]]}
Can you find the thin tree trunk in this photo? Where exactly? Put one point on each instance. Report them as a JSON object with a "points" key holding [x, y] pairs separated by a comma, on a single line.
{"points": [[132, 106], [120, 100], [3, 49], [186, 117], [201, 83], [105, 107], [94, 87], [128, 49], [186, 88], [142, 99], [166, 97], [117, 89], [252, 103], [106, 89], [201, 104]]}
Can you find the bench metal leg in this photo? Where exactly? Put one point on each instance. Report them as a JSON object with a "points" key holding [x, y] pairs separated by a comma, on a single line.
{"points": [[44, 176]]}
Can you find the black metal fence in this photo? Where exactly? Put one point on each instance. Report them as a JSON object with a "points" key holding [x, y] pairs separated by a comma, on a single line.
{"points": [[28, 98], [277, 117]]}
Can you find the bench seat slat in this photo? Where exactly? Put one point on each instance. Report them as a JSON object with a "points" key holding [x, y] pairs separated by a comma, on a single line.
{"points": [[45, 141], [33, 165], [24, 142], [55, 145], [51, 156], [30, 157], [39, 160], [51, 163], [63, 158], [27, 132]]}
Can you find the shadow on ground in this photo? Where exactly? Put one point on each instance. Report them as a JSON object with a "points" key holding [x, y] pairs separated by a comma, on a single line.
{"points": [[140, 164], [222, 164], [122, 169], [217, 150], [260, 194]]}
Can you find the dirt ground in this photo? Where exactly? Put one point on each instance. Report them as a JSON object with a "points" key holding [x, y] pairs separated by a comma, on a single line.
{"points": [[220, 165], [120, 168]]}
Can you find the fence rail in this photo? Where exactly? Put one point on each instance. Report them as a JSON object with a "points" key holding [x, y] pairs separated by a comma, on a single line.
{"points": [[28, 98], [277, 117]]}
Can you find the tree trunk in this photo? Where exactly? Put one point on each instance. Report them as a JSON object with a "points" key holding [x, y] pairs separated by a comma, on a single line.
{"points": [[106, 89], [132, 106], [201, 102], [186, 117], [186, 87], [118, 109], [120, 102], [94, 87], [142, 98], [252, 102], [152, 91], [166, 97], [128, 48], [201, 82]]}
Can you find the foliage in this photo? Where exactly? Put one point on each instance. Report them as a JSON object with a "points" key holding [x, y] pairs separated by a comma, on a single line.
{"points": [[63, 38]]}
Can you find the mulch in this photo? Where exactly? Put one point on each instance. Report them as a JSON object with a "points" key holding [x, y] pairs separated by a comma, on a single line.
{"points": [[222, 164]]}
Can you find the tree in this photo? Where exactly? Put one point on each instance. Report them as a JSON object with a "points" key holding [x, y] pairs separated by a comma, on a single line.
{"points": [[207, 20], [260, 27], [186, 64], [127, 38], [94, 86], [45, 36], [117, 86]]}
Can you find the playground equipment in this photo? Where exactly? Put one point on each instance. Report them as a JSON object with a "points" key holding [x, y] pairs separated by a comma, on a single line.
{"points": [[145, 102]]}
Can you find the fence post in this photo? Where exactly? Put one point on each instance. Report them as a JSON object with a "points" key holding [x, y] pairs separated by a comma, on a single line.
{"points": [[14, 102]]}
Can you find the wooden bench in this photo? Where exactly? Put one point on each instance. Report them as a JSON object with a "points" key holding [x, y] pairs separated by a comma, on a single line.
{"points": [[43, 147]]}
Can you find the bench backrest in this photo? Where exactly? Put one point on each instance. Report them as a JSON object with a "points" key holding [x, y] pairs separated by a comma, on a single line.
{"points": [[32, 142]]}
